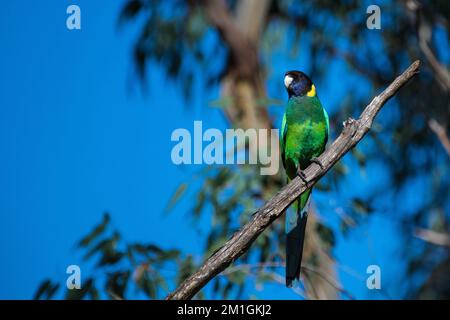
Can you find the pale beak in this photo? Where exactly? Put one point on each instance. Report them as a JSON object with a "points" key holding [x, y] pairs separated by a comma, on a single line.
{"points": [[287, 81]]}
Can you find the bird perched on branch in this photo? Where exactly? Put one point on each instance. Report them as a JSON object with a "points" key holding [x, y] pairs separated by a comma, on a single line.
{"points": [[304, 134]]}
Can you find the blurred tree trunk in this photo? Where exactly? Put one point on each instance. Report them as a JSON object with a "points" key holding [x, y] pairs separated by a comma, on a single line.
{"points": [[244, 82]]}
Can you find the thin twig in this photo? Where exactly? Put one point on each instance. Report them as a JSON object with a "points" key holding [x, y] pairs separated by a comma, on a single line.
{"points": [[440, 132], [329, 280], [434, 237], [280, 279], [305, 267]]}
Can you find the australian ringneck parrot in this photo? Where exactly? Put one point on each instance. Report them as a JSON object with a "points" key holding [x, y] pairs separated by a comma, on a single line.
{"points": [[304, 134]]}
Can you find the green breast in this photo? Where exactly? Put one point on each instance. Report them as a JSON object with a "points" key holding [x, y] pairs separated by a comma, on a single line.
{"points": [[306, 132]]}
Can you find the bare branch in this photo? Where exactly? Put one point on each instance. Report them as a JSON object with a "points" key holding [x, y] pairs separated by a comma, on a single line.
{"points": [[240, 242], [424, 35], [440, 132], [437, 238]]}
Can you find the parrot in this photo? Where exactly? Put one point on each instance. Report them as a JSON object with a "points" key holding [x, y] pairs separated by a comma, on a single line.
{"points": [[303, 137]]}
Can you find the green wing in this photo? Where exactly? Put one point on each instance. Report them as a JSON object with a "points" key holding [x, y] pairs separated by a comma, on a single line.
{"points": [[283, 140], [328, 124]]}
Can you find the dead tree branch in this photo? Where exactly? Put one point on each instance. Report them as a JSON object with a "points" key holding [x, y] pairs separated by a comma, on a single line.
{"points": [[240, 242]]}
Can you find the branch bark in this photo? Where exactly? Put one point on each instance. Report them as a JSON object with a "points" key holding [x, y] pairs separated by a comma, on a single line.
{"points": [[240, 242], [243, 50]]}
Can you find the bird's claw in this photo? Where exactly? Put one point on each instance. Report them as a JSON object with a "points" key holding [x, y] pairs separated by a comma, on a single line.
{"points": [[302, 176], [317, 161]]}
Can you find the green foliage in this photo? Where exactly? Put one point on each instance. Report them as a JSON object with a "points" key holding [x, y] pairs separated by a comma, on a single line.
{"points": [[122, 266], [87, 291], [171, 35], [46, 290], [176, 196], [326, 234], [95, 232]]}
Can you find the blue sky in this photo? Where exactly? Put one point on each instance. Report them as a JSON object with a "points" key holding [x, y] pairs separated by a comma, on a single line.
{"points": [[78, 138]]}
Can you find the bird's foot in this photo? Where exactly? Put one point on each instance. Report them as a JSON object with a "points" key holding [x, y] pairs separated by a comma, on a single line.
{"points": [[317, 161], [302, 176]]}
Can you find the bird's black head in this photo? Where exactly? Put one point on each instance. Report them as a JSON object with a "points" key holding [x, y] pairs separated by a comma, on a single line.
{"points": [[298, 84]]}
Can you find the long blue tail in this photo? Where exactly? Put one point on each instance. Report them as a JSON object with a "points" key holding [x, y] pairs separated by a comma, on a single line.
{"points": [[295, 235]]}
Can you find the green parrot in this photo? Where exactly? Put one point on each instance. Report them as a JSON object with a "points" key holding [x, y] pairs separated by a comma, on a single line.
{"points": [[304, 134]]}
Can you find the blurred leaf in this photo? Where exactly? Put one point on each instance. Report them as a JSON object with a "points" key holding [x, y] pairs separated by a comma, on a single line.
{"points": [[237, 276], [214, 244], [130, 10], [263, 277], [344, 227], [169, 255], [176, 196], [109, 258], [147, 284], [196, 26], [201, 199], [266, 102], [116, 284], [186, 268], [46, 290], [79, 294], [359, 156], [93, 293], [326, 234], [99, 229], [223, 103], [360, 206]]}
